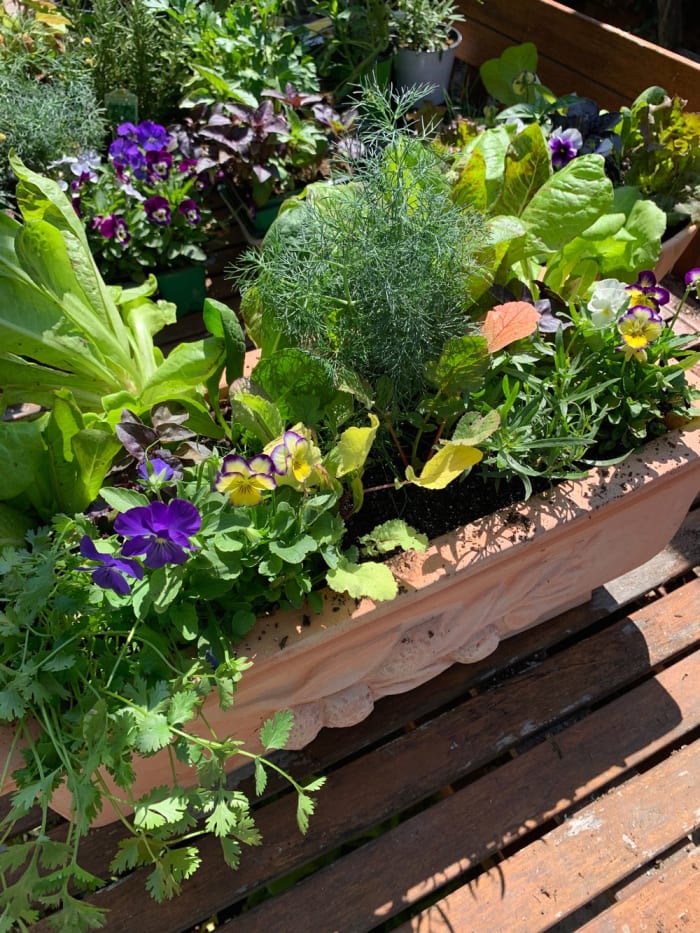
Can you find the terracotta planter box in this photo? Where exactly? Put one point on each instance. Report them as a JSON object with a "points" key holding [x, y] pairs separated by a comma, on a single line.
{"points": [[470, 590]]}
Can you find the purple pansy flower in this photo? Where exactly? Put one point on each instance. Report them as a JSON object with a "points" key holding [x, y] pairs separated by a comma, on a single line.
{"points": [[156, 468], [125, 152], [564, 146], [112, 227], [158, 210], [159, 165], [190, 211], [152, 136], [160, 531], [110, 574], [692, 280]]}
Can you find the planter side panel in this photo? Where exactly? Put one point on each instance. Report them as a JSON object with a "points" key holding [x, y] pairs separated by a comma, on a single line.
{"points": [[576, 53]]}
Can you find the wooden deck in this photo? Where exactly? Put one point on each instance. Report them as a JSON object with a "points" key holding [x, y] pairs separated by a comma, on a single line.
{"points": [[553, 786]]}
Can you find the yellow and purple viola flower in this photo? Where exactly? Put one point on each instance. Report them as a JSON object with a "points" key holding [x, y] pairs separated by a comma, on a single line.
{"points": [[160, 531], [246, 481], [639, 327], [647, 291], [295, 457], [112, 570]]}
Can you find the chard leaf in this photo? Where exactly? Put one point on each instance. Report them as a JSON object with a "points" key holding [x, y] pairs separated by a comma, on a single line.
{"points": [[352, 448], [462, 365], [572, 199]]}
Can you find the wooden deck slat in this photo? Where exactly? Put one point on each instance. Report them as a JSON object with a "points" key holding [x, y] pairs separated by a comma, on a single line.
{"points": [[594, 849], [431, 756], [669, 902], [459, 832]]}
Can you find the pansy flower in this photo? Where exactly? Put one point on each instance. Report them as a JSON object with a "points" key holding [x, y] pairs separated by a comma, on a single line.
{"points": [[245, 481], [110, 574], [639, 327], [609, 298], [295, 456], [564, 145], [190, 211], [158, 165], [160, 531], [151, 136], [112, 227], [158, 210], [646, 288], [692, 281]]}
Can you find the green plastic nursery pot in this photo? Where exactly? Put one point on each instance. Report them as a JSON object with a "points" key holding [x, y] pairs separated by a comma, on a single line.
{"points": [[185, 287]]}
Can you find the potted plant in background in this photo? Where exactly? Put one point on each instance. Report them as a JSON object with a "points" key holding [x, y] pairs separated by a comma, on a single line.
{"points": [[425, 41], [143, 211], [265, 152]]}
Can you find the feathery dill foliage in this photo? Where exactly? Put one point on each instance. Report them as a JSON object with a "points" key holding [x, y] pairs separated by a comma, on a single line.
{"points": [[371, 273]]}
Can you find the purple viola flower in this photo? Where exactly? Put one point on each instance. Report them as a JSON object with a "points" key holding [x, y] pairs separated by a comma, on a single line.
{"points": [[190, 211], [152, 136], [564, 146], [646, 288], [158, 210], [158, 165], [112, 227], [157, 469], [161, 531], [692, 281], [110, 574], [125, 152]]}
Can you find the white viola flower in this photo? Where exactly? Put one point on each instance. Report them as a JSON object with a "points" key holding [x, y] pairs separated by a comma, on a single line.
{"points": [[609, 298]]}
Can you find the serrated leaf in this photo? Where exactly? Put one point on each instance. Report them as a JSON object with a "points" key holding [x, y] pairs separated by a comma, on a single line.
{"points": [[260, 777], [153, 732], [174, 867], [305, 808], [132, 852], [366, 579], [181, 707], [231, 851], [275, 731], [158, 808], [222, 819]]}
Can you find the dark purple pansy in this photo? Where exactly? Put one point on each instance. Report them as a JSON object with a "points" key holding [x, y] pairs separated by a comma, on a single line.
{"points": [[112, 227], [160, 531], [190, 211], [158, 210], [692, 280], [110, 574], [158, 165]]}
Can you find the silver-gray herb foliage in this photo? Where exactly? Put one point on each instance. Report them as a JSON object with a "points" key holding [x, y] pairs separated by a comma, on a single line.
{"points": [[372, 275]]}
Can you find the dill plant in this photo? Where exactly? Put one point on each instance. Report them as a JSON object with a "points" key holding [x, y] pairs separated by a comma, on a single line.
{"points": [[371, 274]]}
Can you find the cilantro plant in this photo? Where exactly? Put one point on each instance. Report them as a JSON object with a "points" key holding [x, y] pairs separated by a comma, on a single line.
{"points": [[88, 683]]}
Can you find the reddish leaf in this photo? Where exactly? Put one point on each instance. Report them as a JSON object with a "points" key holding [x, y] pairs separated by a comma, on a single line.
{"points": [[509, 322]]}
